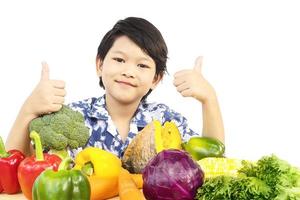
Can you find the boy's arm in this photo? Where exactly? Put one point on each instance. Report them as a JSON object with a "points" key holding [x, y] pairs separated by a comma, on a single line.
{"points": [[18, 137], [212, 119], [47, 97], [191, 83]]}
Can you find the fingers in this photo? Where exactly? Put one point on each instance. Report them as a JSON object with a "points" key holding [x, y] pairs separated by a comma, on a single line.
{"points": [[188, 81], [58, 100], [55, 107], [183, 76], [178, 81], [45, 76], [198, 64], [59, 92], [58, 84], [45, 71], [55, 104], [197, 67], [187, 93], [182, 87], [184, 90], [58, 89], [49, 95]]}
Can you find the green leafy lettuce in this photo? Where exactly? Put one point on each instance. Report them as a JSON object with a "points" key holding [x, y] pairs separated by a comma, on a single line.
{"points": [[269, 178]]}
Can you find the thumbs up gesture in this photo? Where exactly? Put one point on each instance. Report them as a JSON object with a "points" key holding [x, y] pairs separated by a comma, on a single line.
{"points": [[48, 95], [191, 83]]}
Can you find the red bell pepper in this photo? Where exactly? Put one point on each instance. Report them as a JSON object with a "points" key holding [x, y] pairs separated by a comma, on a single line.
{"points": [[9, 162], [31, 167]]}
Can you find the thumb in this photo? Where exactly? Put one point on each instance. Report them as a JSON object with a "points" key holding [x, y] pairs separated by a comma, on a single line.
{"points": [[198, 64], [45, 71]]}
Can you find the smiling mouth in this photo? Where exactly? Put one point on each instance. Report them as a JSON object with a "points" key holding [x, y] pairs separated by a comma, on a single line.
{"points": [[126, 83]]}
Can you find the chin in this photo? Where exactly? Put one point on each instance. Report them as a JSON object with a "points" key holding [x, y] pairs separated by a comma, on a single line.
{"points": [[125, 99]]}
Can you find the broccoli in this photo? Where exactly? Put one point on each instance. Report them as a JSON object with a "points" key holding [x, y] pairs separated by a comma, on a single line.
{"points": [[61, 129]]}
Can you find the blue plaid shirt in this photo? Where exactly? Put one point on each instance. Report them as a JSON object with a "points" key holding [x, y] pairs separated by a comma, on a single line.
{"points": [[104, 134]]}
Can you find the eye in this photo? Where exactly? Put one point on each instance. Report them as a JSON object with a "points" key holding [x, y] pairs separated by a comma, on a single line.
{"points": [[143, 66], [119, 59]]}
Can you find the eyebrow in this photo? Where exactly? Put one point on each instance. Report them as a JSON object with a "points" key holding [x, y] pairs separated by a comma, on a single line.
{"points": [[140, 58]]}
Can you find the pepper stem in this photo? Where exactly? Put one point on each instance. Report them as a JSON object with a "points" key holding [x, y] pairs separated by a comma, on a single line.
{"points": [[65, 164], [39, 156], [3, 153], [88, 169]]}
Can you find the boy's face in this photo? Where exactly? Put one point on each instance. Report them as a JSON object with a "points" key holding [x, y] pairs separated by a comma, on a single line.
{"points": [[127, 72]]}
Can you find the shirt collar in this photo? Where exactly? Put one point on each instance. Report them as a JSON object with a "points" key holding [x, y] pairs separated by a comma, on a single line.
{"points": [[139, 117], [98, 108]]}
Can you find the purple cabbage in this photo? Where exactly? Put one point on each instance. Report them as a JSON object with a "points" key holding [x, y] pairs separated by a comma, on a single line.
{"points": [[172, 175]]}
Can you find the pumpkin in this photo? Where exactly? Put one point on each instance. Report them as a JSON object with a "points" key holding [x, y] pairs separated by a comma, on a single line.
{"points": [[151, 140]]}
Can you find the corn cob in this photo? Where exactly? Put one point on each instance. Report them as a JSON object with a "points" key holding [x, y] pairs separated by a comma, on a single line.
{"points": [[213, 166]]}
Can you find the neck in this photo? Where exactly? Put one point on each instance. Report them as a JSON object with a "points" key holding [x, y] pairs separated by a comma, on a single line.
{"points": [[120, 111]]}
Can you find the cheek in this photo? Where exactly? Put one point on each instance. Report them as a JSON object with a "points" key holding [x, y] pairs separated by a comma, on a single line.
{"points": [[147, 79], [106, 77], [109, 70]]}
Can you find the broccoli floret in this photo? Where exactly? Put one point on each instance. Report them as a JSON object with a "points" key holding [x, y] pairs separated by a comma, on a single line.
{"points": [[36, 124], [76, 139], [61, 129], [76, 135], [52, 140], [60, 123], [46, 119], [74, 116]]}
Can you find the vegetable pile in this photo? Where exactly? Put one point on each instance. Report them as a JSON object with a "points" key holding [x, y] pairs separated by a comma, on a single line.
{"points": [[165, 167], [270, 178], [61, 129]]}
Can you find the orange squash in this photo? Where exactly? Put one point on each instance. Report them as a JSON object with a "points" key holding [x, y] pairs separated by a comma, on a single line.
{"points": [[148, 142]]}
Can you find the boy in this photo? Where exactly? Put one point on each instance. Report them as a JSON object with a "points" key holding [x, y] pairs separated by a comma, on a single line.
{"points": [[131, 61]]}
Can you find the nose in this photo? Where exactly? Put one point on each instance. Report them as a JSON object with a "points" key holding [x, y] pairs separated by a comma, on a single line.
{"points": [[129, 71]]}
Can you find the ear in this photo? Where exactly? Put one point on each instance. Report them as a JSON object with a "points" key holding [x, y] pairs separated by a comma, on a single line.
{"points": [[157, 78], [99, 66]]}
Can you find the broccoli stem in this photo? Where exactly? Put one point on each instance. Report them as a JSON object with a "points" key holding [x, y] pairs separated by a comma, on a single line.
{"points": [[38, 145], [3, 153]]}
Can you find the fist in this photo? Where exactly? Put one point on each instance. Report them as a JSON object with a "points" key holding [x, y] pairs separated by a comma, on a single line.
{"points": [[48, 96], [191, 83]]}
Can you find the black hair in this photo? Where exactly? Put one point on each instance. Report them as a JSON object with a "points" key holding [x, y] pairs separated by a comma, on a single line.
{"points": [[143, 34]]}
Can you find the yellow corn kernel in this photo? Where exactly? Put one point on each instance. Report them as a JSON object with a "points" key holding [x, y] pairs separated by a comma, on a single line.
{"points": [[213, 167]]}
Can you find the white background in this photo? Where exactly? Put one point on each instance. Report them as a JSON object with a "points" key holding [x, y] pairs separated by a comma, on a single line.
{"points": [[250, 48]]}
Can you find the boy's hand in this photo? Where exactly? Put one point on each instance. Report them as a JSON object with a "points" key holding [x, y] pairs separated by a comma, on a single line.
{"points": [[48, 96], [191, 83]]}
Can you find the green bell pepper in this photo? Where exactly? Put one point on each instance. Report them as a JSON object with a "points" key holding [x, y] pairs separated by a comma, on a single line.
{"points": [[64, 184], [201, 147]]}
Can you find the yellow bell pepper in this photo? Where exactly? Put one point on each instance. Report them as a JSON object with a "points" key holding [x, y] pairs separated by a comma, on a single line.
{"points": [[104, 176]]}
